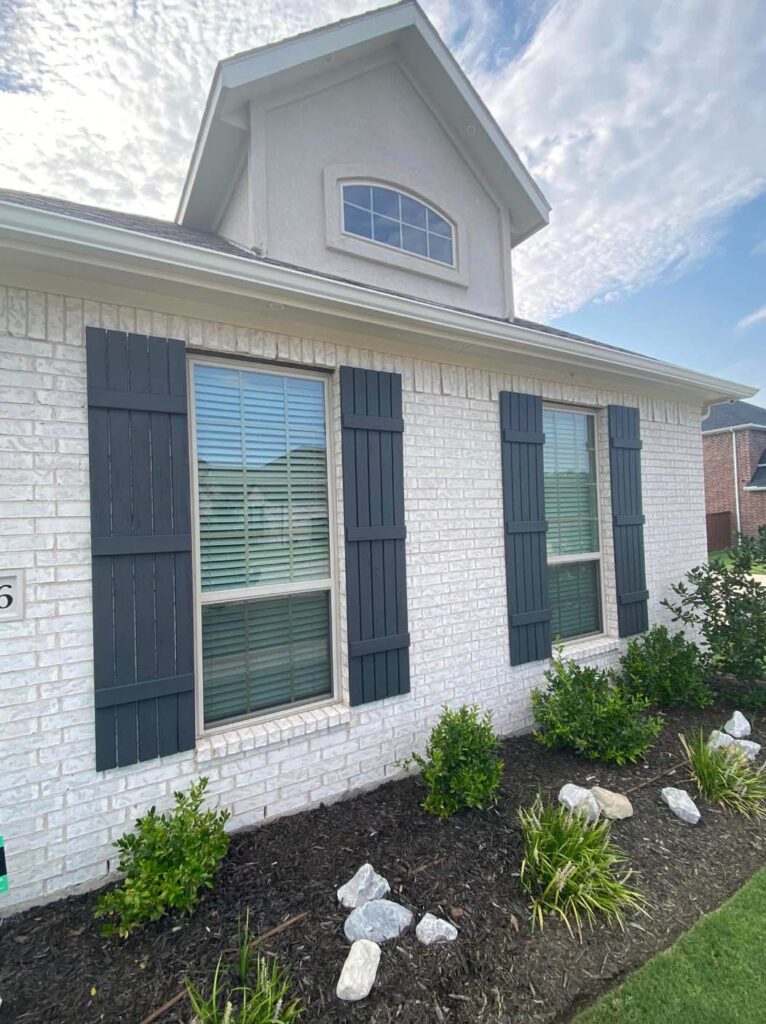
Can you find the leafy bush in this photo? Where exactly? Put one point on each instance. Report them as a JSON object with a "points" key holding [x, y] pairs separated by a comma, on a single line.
{"points": [[724, 776], [667, 669], [571, 868], [256, 993], [460, 767], [166, 862], [728, 607], [583, 710]]}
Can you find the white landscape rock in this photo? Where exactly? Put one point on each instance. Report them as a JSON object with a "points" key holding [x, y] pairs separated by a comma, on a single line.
{"points": [[614, 806], [579, 800], [750, 749], [359, 971], [366, 885], [433, 929], [719, 739], [738, 726], [377, 920], [681, 804]]}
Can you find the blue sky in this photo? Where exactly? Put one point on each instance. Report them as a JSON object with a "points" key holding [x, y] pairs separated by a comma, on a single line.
{"points": [[644, 122]]}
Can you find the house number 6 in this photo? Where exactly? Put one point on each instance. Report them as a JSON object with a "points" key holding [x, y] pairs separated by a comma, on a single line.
{"points": [[6, 599]]}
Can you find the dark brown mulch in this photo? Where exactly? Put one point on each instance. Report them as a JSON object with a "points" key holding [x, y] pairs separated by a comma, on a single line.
{"points": [[499, 970]]}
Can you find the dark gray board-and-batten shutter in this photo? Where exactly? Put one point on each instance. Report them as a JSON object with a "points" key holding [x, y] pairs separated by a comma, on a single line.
{"points": [[373, 506], [526, 561], [141, 547], [627, 518]]}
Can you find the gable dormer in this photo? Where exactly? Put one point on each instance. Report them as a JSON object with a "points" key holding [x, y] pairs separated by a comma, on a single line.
{"points": [[362, 151]]}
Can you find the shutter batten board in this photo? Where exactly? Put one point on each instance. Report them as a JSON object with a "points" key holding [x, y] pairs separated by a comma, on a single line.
{"points": [[526, 559], [141, 547], [373, 507], [627, 519]]}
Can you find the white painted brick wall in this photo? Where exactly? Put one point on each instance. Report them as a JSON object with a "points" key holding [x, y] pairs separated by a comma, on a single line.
{"points": [[60, 817]]}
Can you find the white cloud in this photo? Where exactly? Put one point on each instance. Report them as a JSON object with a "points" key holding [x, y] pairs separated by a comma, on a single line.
{"points": [[752, 318], [645, 122]]}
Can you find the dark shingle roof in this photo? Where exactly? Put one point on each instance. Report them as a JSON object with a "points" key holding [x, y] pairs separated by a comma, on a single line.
{"points": [[207, 240], [734, 414]]}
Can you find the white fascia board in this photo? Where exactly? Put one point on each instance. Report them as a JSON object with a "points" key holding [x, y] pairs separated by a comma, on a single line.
{"points": [[737, 427], [56, 239]]}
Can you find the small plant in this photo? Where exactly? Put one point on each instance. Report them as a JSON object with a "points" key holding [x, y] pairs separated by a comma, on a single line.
{"points": [[166, 862], [724, 776], [256, 993], [571, 868], [583, 710], [728, 607], [460, 767], [667, 669]]}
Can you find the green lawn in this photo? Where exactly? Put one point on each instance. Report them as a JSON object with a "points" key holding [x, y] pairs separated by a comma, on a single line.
{"points": [[714, 974], [724, 557]]}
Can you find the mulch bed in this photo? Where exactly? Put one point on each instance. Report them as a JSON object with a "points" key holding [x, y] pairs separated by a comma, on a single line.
{"points": [[499, 970]]}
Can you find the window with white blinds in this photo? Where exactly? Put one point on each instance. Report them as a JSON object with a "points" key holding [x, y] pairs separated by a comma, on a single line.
{"points": [[571, 510], [263, 539]]}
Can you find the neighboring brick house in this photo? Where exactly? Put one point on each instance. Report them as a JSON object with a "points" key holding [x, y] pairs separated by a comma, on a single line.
{"points": [[278, 476], [734, 452]]}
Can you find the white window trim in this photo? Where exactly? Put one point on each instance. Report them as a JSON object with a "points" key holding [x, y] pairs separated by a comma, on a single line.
{"points": [[249, 593], [586, 556], [378, 252]]}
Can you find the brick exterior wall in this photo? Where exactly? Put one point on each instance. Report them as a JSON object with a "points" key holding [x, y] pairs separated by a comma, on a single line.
{"points": [[718, 461], [59, 817]]}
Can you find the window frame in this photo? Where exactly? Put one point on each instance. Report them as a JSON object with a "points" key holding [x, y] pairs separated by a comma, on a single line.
{"points": [[588, 556], [327, 585]]}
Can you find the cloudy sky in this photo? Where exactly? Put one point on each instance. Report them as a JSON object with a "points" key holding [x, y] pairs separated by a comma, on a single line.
{"points": [[644, 121]]}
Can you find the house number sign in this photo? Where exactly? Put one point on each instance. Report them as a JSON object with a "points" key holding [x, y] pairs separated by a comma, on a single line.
{"points": [[11, 596]]}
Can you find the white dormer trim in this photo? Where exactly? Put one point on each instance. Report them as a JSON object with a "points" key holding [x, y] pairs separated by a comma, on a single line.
{"points": [[337, 175]]}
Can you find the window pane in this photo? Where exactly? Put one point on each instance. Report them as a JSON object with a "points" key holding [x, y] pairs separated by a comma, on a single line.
{"points": [[414, 240], [438, 225], [264, 654], [413, 212], [440, 248], [387, 231], [385, 201], [262, 478], [575, 599], [571, 500], [359, 195], [357, 222]]}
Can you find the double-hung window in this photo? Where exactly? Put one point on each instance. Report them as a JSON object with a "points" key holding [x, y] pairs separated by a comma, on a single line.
{"points": [[571, 509], [263, 539]]}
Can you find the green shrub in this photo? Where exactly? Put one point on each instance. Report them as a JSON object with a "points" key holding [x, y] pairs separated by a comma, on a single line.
{"points": [[667, 669], [460, 767], [257, 992], [166, 862], [583, 710], [724, 776], [571, 868], [728, 607]]}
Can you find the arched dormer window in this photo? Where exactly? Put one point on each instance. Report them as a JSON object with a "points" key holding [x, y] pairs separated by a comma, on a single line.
{"points": [[396, 219]]}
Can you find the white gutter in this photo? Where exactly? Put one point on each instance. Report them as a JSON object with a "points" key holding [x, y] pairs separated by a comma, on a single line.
{"points": [[739, 426], [61, 238]]}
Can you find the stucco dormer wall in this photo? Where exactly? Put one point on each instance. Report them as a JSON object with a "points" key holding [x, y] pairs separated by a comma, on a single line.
{"points": [[369, 123]]}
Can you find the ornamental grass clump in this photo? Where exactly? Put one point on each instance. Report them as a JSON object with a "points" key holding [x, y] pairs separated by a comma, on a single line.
{"points": [[724, 776], [570, 868], [460, 768], [167, 861], [584, 710], [667, 669], [254, 991]]}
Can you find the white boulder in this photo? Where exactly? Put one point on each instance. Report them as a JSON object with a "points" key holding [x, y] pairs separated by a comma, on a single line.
{"points": [[377, 920], [750, 749], [738, 726], [719, 739], [579, 800], [614, 806], [366, 885], [681, 804], [432, 929], [359, 971]]}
